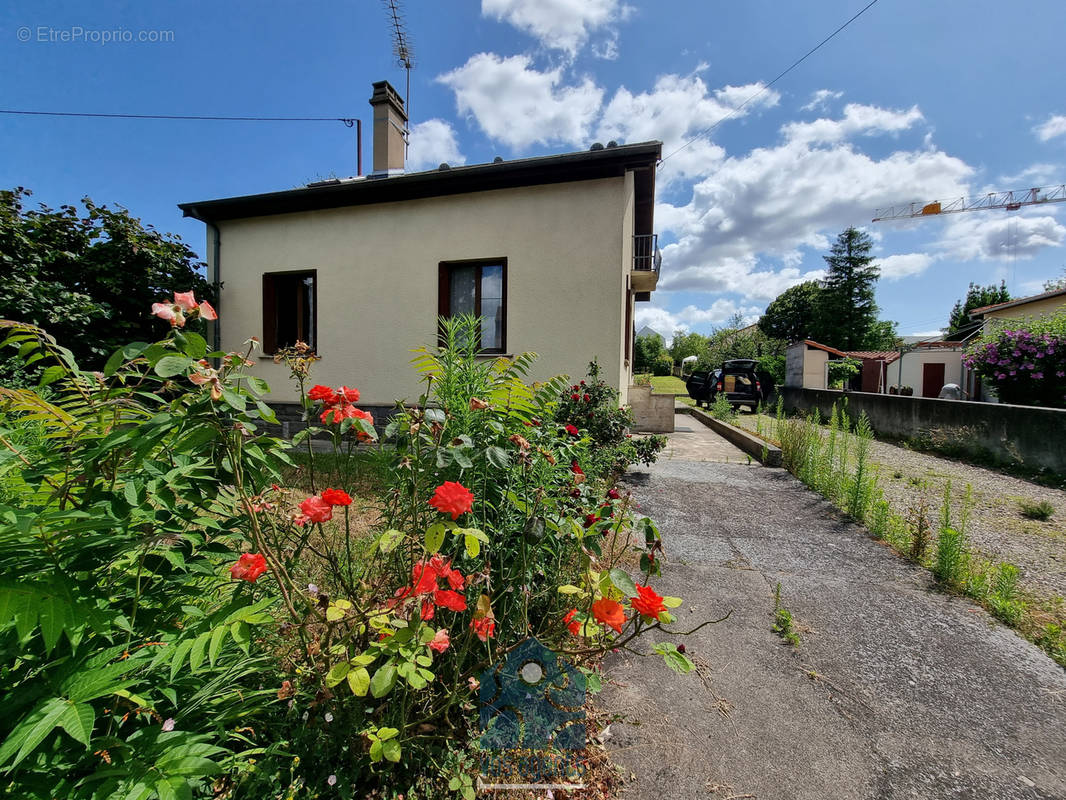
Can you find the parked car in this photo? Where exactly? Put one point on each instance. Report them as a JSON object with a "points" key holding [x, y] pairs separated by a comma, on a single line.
{"points": [[702, 386]]}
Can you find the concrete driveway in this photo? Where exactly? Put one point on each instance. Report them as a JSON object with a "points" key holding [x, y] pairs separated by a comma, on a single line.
{"points": [[895, 691]]}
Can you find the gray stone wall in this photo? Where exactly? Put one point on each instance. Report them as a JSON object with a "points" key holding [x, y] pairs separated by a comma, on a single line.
{"points": [[1031, 436]]}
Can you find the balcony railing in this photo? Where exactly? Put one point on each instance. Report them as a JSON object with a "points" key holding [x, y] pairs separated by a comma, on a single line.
{"points": [[646, 255]]}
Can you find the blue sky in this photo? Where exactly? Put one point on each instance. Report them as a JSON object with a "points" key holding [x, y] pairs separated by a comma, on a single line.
{"points": [[915, 101]]}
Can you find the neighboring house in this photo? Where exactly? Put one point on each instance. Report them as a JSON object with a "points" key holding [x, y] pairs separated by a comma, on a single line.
{"points": [[1037, 305], [647, 330], [925, 367], [1023, 308], [552, 252]]}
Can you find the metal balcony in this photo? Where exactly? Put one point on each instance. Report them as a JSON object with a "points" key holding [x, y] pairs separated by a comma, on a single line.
{"points": [[647, 260]]}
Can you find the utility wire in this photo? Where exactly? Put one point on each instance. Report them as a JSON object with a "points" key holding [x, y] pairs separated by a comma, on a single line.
{"points": [[766, 88], [346, 120]]}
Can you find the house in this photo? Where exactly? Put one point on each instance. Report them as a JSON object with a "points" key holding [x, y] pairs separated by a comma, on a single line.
{"points": [[1037, 305], [647, 330], [552, 252], [924, 367]]}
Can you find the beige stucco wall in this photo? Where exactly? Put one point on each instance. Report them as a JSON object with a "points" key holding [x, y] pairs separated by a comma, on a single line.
{"points": [[912, 366], [378, 279], [1037, 308], [814, 361]]}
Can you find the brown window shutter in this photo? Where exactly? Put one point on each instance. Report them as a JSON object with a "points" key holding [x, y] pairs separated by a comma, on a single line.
{"points": [[270, 310]]}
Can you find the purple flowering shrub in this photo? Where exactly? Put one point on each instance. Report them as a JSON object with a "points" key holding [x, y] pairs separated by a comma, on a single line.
{"points": [[1024, 362]]}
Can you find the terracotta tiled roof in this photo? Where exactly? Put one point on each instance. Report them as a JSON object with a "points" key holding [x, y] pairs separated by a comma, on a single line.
{"points": [[827, 348], [1019, 302], [874, 355]]}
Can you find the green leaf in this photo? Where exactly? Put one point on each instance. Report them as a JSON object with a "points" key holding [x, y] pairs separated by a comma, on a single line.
{"points": [[189, 766], [77, 720], [257, 385], [672, 602], [435, 537], [462, 459], [338, 673], [169, 366], [180, 652], [173, 789], [391, 750], [676, 661], [389, 539], [569, 589], [218, 635], [51, 375], [383, 681], [623, 583], [359, 681], [195, 346], [199, 650], [375, 751], [242, 635], [473, 546], [237, 402], [32, 730], [498, 457]]}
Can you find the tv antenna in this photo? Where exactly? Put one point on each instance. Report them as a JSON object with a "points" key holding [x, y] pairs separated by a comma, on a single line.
{"points": [[401, 47]]}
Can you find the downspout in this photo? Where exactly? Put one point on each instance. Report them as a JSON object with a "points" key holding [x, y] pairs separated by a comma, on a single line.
{"points": [[217, 281]]}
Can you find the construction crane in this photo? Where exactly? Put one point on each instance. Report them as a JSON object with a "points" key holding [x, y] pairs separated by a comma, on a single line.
{"points": [[1009, 201]]}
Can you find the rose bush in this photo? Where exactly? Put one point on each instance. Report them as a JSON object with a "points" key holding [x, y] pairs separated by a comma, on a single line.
{"points": [[175, 621]]}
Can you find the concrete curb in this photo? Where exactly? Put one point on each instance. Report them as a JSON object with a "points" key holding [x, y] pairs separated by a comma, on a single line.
{"points": [[768, 454]]}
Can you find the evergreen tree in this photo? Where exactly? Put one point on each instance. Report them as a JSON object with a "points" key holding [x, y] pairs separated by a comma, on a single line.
{"points": [[847, 309], [976, 297]]}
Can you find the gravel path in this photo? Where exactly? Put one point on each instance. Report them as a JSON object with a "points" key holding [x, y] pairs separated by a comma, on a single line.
{"points": [[996, 530]]}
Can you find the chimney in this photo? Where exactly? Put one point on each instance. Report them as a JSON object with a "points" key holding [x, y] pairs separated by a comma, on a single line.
{"points": [[390, 130]]}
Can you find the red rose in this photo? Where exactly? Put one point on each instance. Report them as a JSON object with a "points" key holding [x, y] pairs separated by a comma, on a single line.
{"points": [[440, 641], [572, 624], [348, 395], [452, 498], [590, 520], [248, 567], [572, 430], [647, 602], [484, 627], [423, 578], [610, 613], [613, 494], [323, 394], [586, 397], [575, 397], [316, 509], [336, 497], [446, 598], [576, 468]]}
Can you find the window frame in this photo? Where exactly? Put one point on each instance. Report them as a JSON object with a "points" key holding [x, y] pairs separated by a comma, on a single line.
{"points": [[444, 272], [270, 308]]}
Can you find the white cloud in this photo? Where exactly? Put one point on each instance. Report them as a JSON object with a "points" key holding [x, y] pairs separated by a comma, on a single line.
{"points": [[904, 265], [1054, 126], [926, 334], [675, 110], [719, 312], [520, 106], [775, 201], [1035, 175], [857, 119], [821, 99], [432, 142], [558, 24], [987, 236]]}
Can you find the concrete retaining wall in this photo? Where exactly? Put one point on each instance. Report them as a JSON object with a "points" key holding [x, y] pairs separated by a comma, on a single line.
{"points": [[1028, 435], [769, 455], [652, 413]]}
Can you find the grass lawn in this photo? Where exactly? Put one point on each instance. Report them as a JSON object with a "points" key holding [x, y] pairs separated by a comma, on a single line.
{"points": [[668, 384]]}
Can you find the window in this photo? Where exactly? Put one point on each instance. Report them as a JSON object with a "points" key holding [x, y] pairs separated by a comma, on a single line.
{"points": [[290, 308], [478, 288]]}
